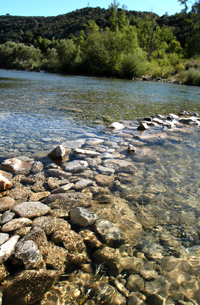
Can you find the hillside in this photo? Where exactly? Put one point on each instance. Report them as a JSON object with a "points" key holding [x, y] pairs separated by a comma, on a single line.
{"points": [[26, 29]]}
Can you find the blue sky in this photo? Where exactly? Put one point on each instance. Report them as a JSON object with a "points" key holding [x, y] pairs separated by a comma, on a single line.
{"points": [[58, 7]]}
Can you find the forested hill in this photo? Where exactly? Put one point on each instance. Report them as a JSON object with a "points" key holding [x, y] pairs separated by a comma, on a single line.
{"points": [[26, 29]]}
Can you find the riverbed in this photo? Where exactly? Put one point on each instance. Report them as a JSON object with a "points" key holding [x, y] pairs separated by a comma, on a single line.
{"points": [[41, 110]]}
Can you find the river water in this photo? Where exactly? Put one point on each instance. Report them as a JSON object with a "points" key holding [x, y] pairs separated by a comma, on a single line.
{"points": [[40, 110]]}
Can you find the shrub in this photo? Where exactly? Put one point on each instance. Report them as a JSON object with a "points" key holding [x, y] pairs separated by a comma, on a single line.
{"points": [[193, 77]]}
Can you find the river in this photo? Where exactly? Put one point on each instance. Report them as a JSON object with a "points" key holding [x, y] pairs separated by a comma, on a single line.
{"points": [[40, 110]]}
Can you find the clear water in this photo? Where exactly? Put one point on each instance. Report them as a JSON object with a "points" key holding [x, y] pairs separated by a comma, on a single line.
{"points": [[40, 110]]}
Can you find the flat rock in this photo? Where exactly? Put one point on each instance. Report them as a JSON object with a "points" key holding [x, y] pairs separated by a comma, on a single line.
{"points": [[51, 224], [3, 238], [110, 233], [104, 180], [8, 248], [73, 144], [6, 203], [31, 209], [54, 182], [83, 183], [15, 224], [105, 170], [83, 217], [6, 217], [76, 166], [28, 252], [67, 200], [39, 196], [58, 173], [119, 165], [63, 188], [5, 184], [94, 141], [85, 152], [16, 166]]}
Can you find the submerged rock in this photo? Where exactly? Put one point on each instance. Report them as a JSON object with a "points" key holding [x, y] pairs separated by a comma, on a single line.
{"points": [[83, 217], [28, 287], [110, 233]]}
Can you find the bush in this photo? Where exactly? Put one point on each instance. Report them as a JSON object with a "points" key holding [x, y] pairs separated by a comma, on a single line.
{"points": [[193, 77]]}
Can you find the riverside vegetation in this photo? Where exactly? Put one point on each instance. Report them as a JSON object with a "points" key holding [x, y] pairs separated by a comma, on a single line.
{"points": [[111, 43]]}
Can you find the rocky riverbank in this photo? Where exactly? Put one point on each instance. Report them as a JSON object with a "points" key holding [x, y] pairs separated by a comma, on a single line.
{"points": [[74, 232]]}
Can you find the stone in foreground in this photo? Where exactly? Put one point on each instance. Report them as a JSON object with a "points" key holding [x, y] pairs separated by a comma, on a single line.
{"points": [[83, 217], [31, 209], [28, 287], [110, 233], [8, 248]]}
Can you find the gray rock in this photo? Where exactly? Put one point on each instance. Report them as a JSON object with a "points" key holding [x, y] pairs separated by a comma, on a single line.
{"points": [[6, 203], [31, 209], [105, 170], [68, 200], [119, 165], [6, 217], [73, 144], [8, 248], [16, 224], [110, 233], [3, 238], [28, 252], [83, 183], [37, 167], [63, 188], [76, 166], [58, 173], [83, 217], [85, 152]]}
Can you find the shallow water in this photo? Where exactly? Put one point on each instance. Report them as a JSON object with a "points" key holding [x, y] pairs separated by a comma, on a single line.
{"points": [[40, 110]]}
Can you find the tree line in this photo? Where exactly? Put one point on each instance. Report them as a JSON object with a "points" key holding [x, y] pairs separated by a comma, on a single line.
{"points": [[123, 46]]}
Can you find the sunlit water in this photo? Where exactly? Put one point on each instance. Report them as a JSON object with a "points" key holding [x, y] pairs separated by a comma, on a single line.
{"points": [[40, 110]]}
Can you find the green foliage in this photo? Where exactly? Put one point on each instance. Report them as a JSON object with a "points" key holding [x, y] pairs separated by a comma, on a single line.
{"points": [[193, 77], [67, 52], [19, 56]]}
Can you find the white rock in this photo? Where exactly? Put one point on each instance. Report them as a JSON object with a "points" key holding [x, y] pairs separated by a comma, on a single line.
{"points": [[116, 126], [8, 248]]}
